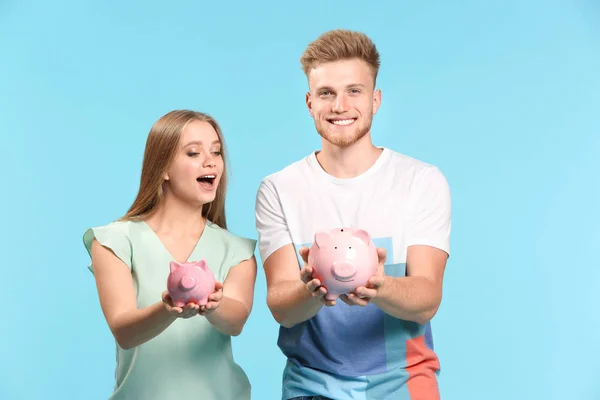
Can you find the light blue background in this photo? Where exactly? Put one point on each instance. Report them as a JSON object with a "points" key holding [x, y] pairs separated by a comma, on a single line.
{"points": [[503, 97]]}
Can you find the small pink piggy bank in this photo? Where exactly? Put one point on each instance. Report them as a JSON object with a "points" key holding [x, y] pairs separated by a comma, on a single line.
{"points": [[343, 259], [190, 282]]}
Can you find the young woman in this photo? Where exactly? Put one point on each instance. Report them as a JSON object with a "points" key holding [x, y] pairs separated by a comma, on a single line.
{"points": [[163, 351]]}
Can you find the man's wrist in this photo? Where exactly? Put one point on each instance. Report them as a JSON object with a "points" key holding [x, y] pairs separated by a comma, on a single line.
{"points": [[384, 291]]}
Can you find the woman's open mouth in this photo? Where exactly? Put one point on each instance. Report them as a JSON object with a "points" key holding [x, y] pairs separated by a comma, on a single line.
{"points": [[207, 181]]}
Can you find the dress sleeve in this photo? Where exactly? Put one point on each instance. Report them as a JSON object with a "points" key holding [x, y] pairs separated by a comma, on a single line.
{"points": [[241, 249], [112, 236]]}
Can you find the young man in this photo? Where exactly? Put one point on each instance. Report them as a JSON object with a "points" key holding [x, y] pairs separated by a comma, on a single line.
{"points": [[374, 343]]}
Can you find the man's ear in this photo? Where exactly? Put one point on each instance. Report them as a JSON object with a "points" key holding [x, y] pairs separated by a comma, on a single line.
{"points": [[376, 100]]}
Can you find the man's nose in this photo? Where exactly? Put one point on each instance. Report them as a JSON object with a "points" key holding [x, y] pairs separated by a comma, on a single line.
{"points": [[340, 104]]}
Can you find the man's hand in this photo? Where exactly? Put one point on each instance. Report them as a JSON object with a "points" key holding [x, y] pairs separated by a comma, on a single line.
{"points": [[313, 285], [363, 295]]}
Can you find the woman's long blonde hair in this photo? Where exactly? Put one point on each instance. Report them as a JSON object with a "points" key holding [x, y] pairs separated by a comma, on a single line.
{"points": [[160, 152]]}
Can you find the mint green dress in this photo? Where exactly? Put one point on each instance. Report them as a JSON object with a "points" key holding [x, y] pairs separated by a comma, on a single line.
{"points": [[190, 359]]}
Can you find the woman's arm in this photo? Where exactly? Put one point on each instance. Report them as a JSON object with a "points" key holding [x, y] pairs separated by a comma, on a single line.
{"points": [[129, 325], [234, 304]]}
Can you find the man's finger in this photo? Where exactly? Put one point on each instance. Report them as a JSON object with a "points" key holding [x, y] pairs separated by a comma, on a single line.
{"points": [[320, 293], [306, 274], [304, 254], [375, 282], [357, 300], [363, 292], [314, 285], [344, 298], [382, 254], [352, 300]]}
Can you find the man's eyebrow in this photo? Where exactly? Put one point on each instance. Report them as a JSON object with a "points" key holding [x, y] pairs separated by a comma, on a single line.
{"points": [[347, 86]]}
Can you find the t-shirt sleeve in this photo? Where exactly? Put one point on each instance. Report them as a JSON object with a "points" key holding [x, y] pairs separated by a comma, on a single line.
{"points": [[112, 236], [431, 218], [273, 232]]}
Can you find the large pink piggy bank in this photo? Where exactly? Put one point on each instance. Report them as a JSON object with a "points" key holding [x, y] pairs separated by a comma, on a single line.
{"points": [[343, 259], [190, 282]]}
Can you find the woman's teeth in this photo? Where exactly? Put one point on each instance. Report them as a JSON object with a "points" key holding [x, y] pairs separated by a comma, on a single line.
{"points": [[206, 180]]}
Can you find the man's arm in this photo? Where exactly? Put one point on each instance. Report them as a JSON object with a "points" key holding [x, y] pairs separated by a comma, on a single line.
{"points": [[292, 295], [416, 296]]}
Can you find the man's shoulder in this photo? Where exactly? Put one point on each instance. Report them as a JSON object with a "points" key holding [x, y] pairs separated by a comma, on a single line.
{"points": [[411, 166], [407, 160]]}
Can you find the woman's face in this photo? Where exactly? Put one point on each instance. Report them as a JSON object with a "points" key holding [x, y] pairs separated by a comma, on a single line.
{"points": [[198, 165]]}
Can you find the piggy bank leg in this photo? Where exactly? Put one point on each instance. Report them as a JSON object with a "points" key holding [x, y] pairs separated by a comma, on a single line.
{"points": [[179, 303], [203, 301], [331, 296]]}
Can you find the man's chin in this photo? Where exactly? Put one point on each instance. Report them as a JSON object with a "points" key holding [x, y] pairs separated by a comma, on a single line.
{"points": [[339, 140]]}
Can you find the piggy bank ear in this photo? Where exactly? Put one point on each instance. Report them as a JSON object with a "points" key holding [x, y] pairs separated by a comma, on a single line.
{"points": [[174, 265], [362, 235], [201, 264], [323, 238]]}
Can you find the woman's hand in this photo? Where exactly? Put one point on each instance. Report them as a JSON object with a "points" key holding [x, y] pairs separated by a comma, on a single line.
{"points": [[188, 311], [214, 300]]}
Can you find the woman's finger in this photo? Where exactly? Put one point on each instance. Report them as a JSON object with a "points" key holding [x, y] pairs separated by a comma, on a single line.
{"points": [[217, 296]]}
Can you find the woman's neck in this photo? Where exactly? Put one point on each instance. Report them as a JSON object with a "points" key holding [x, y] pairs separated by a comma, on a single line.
{"points": [[175, 216]]}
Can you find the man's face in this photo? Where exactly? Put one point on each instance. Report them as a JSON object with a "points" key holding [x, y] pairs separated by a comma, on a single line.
{"points": [[342, 100]]}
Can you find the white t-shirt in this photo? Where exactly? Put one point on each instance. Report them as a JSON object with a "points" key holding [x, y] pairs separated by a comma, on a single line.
{"points": [[348, 352]]}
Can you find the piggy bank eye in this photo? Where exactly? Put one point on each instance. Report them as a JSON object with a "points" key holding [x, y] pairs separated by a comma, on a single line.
{"points": [[335, 247]]}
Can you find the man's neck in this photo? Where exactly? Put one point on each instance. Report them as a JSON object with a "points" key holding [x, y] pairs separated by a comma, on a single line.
{"points": [[348, 162]]}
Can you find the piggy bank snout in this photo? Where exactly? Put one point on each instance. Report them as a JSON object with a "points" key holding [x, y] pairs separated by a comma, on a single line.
{"points": [[187, 282], [343, 271]]}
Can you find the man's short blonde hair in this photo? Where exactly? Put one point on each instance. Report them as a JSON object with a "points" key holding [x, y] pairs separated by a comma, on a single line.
{"points": [[340, 44]]}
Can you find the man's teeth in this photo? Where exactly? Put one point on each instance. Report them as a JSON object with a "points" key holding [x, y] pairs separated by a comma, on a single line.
{"points": [[342, 121]]}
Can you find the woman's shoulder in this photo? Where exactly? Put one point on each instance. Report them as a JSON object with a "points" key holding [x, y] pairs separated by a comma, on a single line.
{"points": [[237, 244], [115, 235], [121, 228]]}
